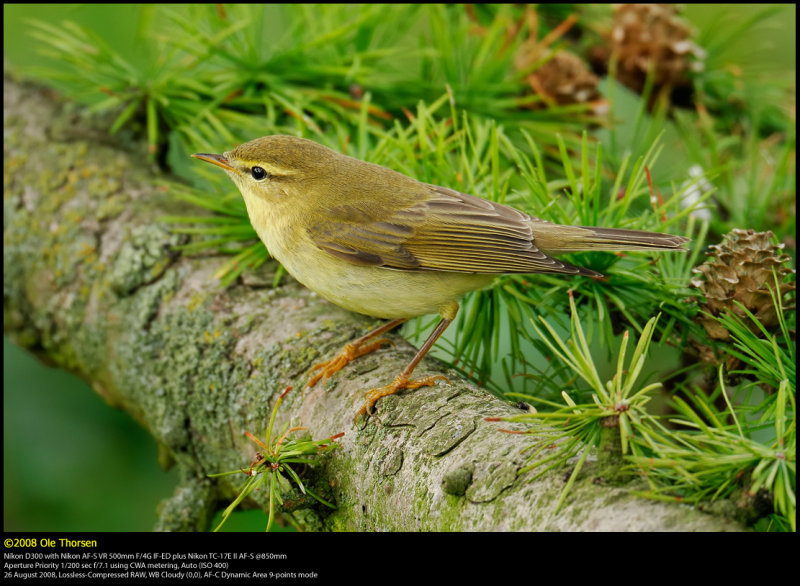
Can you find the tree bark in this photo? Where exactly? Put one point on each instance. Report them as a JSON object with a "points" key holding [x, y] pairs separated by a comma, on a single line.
{"points": [[93, 285]]}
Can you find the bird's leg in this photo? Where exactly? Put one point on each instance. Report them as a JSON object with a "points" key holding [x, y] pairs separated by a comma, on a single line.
{"points": [[364, 345], [402, 380]]}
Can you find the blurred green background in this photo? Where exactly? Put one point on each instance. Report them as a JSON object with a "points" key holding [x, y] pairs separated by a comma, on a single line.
{"points": [[71, 463]]}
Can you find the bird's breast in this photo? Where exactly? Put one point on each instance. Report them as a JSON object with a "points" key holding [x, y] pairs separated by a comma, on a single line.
{"points": [[375, 291]]}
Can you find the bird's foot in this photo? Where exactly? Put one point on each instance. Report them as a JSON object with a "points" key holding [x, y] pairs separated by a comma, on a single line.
{"points": [[401, 381], [347, 354]]}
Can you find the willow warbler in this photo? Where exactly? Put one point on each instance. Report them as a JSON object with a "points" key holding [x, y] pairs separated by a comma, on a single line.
{"points": [[377, 242]]}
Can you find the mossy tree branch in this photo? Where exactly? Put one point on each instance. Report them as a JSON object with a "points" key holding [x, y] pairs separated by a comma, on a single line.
{"points": [[92, 285]]}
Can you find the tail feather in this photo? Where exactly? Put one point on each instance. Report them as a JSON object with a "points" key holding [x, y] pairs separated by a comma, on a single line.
{"points": [[554, 239], [611, 238]]}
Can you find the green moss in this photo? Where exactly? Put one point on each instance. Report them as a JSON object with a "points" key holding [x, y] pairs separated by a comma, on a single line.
{"points": [[490, 479], [391, 462], [610, 461], [51, 236], [447, 434], [143, 258], [457, 480], [111, 207]]}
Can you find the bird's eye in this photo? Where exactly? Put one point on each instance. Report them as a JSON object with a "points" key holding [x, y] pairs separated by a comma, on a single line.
{"points": [[258, 173]]}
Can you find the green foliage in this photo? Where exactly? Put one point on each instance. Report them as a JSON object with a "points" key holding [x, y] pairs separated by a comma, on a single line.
{"points": [[745, 88], [754, 177], [90, 70], [748, 446], [771, 359], [215, 75], [618, 402], [713, 459], [264, 66], [272, 467], [707, 453]]}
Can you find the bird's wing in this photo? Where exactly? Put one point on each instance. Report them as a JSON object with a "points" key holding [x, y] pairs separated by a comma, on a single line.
{"points": [[443, 231]]}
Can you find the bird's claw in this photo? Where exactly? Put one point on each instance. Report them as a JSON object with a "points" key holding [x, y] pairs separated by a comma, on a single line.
{"points": [[350, 352], [400, 382]]}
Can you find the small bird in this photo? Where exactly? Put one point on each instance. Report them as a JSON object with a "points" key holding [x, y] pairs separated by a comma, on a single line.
{"points": [[380, 243]]}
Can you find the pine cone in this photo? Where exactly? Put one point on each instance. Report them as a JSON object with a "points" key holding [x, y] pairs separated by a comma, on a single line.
{"points": [[740, 269], [651, 35], [565, 79]]}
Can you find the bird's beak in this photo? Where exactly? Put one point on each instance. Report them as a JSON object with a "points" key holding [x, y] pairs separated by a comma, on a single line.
{"points": [[217, 160]]}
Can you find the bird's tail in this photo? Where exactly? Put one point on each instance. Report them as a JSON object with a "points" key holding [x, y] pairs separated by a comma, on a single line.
{"points": [[555, 239]]}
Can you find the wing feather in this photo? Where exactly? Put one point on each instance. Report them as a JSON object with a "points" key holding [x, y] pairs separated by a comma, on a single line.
{"points": [[443, 230]]}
